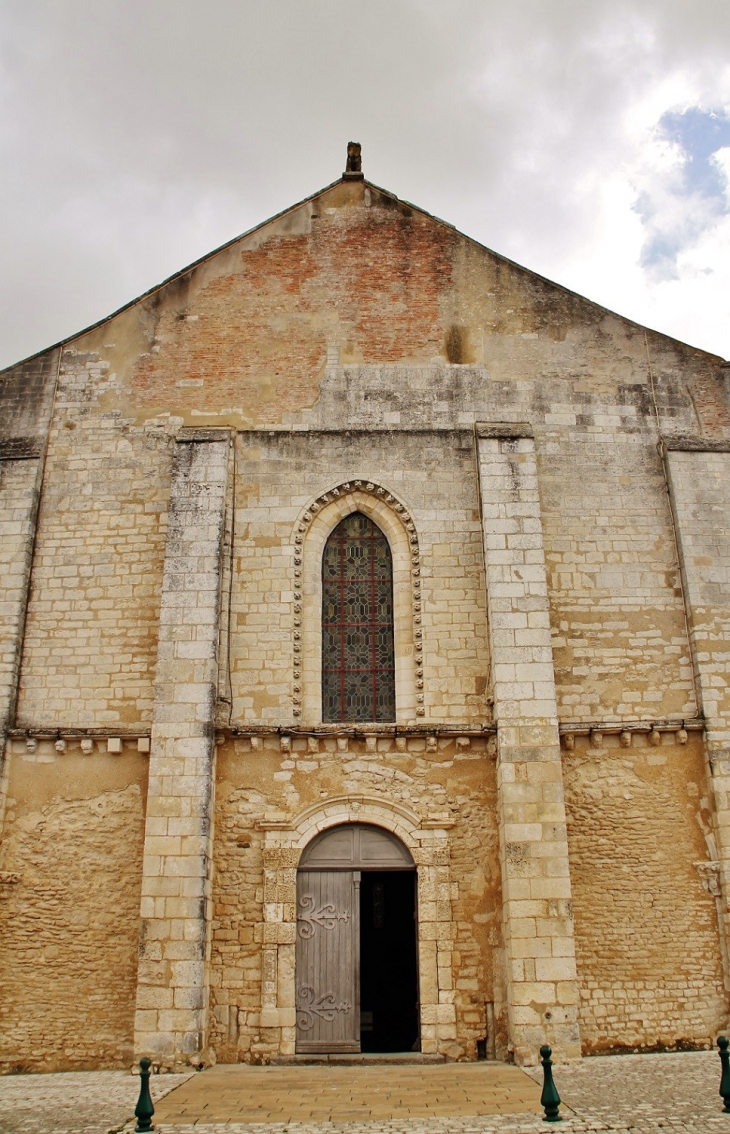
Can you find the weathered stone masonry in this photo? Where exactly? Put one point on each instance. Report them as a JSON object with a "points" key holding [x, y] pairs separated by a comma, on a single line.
{"points": [[537, 909], [557, 766], [26, 403], [172, 1000]]}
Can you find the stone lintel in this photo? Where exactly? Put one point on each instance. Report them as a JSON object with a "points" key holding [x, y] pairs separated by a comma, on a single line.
{"points": [[500, 430], [695, 445]]}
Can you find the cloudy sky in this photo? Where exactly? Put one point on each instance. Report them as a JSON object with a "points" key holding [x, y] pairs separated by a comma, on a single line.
{"points": [[586, 139]]}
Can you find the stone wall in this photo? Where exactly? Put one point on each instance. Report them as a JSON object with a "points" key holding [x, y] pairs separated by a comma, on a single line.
{"points": [[433, 478], [91, 632], [286, 330], [352, 345], [620, 637], [448, 784], [26, 399], [642, 851], [70, 876]]}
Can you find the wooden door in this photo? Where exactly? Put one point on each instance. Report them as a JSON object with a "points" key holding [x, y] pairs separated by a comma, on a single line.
{"points": [[328, 961]]}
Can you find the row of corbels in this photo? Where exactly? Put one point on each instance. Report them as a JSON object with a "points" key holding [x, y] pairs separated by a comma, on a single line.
{"points": [[314, 743], [625, 737], [89, 744]]}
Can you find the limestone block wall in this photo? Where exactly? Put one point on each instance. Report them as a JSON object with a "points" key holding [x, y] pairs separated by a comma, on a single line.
{"points": [[620, 637], [645, 893], [356, 340], [615, 596], [356, 311], [441, 632], [448, 788], [70, 877], [91, 632]]}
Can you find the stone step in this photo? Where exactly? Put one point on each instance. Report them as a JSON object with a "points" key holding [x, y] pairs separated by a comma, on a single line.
{"points": [[359, 1059]]}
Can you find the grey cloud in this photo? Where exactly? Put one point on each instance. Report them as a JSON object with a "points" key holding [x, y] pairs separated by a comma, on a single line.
{"points": [[137, 136]]}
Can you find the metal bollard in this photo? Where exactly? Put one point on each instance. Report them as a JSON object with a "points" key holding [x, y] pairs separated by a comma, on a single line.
{"points": [[722, 1043], [144, 1109], [549, 1099]]}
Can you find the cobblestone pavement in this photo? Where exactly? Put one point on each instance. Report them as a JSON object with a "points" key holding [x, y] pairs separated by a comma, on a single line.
{"points": [[74, 1102], [640, 1094]]}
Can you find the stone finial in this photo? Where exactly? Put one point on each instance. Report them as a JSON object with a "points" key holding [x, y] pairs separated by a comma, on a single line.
{"points": [[353, 169]]}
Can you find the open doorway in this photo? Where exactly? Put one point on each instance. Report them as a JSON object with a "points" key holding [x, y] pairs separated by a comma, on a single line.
{"points": [[388, 962], [356, 944]]}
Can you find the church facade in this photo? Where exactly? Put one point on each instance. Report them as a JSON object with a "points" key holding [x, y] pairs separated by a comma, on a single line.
{"points": [[364, 663]]}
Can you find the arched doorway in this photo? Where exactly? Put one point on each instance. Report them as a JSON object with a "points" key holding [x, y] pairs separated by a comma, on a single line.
{"points": [[356, 956]]}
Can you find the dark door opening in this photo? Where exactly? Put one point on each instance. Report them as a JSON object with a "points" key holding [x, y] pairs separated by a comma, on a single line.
{"points": [[388, 962], [356, 965]]}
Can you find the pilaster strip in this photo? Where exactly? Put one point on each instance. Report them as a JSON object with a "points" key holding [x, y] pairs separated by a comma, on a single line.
{"points": [[698, 479], [172, 993], [27, 394], [542, 988]]}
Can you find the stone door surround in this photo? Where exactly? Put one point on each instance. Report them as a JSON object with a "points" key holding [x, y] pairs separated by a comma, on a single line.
{"points": [[284, 842]]}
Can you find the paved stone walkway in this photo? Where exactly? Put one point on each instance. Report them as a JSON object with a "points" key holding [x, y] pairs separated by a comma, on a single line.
{"points": [[333, 1094], [74, 1102], [633, 1094]]}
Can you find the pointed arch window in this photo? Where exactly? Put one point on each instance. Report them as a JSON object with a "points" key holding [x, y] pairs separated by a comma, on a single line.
{"points": [[358, 657]]}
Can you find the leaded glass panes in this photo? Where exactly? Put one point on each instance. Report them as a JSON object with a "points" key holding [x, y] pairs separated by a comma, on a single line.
{"points": [[358, 662]]}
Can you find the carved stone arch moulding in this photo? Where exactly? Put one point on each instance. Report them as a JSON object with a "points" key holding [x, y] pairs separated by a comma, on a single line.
{"points": [[311, 531]]}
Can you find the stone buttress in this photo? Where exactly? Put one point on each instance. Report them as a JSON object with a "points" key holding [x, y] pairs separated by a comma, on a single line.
{"points": [[698, 477], [172, 995], [542, 990]]}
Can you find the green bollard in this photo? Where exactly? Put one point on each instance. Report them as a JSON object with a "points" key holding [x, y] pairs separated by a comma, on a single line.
{"points": [[549, 1099], [722, 1043], [144, 1109]]}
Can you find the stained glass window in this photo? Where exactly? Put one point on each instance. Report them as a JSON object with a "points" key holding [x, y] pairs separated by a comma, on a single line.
{"points": [[358, 662]]}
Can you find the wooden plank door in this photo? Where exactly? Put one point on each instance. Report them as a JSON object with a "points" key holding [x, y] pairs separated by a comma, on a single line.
{"points": [[328, 961]]}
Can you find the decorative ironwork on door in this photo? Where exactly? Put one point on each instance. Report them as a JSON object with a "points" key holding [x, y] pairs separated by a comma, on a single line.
{"points": [[325, 1006], [327, 961], [310, 916]]}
